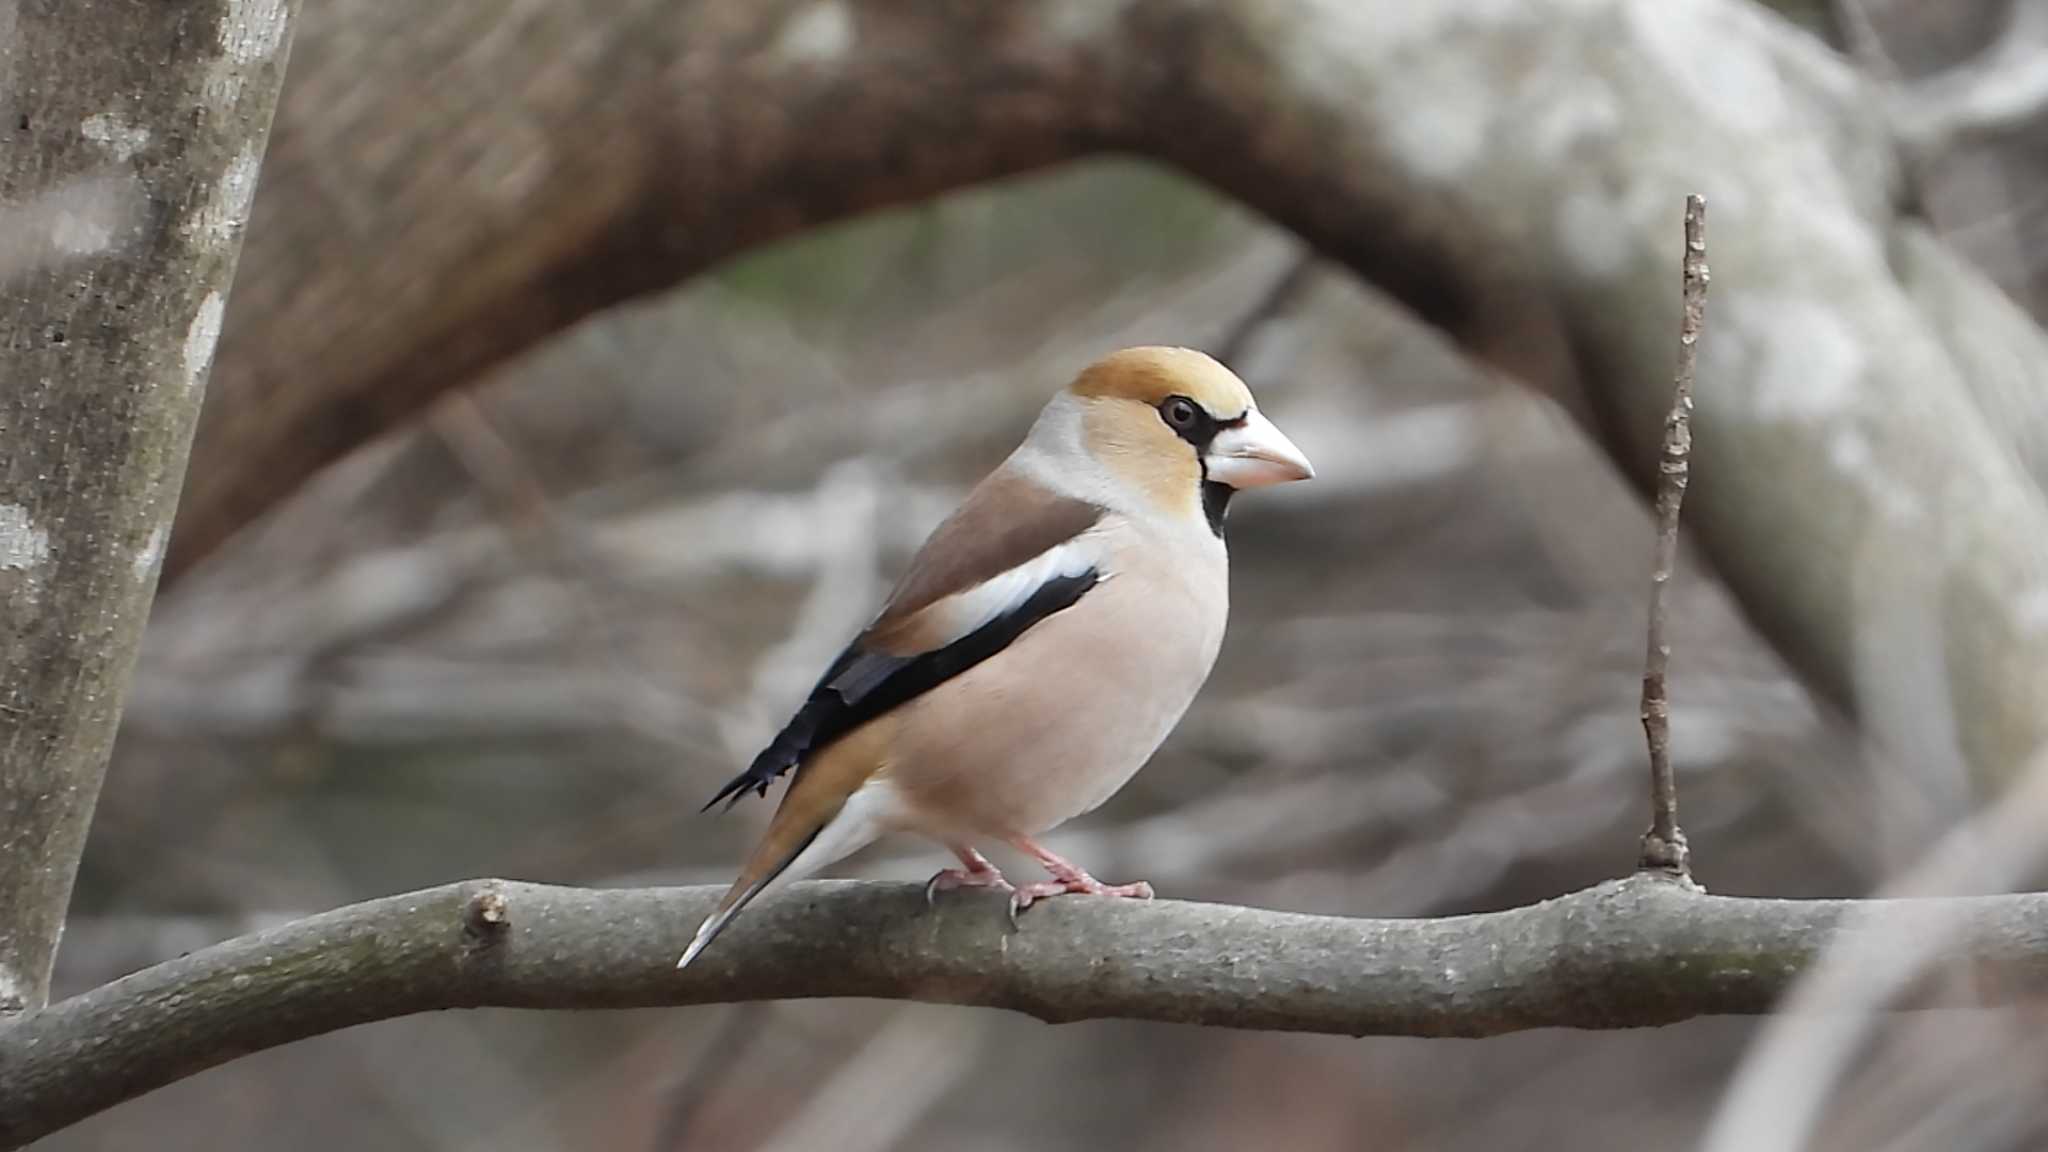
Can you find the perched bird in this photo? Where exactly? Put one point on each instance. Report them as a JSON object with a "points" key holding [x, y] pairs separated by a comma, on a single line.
{"points": [[1043, 642]]}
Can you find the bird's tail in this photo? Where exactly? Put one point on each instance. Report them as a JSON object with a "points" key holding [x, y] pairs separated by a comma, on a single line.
{"points": [[835, 806], [793, 847], [753, 881]]}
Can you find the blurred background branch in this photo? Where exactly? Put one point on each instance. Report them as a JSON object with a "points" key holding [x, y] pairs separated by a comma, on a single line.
{"points": [[1508, 244]]}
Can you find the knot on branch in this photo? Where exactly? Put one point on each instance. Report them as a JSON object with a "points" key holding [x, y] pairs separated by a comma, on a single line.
{"points": [[1667, 855], [486, 914]]}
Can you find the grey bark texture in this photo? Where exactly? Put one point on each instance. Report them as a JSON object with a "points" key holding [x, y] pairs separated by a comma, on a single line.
{"points": [[1868, 405], [133, 134], [1625, 954]]}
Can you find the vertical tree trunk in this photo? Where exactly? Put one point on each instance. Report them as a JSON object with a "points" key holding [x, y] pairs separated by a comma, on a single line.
{"points": [[133, 132]]}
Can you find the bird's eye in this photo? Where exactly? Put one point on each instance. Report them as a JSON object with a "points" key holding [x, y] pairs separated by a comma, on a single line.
{"points": [[1180, 413]]}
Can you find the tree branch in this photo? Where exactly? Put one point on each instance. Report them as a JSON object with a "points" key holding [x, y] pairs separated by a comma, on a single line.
{"points": [[1631, 953], [133, 137]]}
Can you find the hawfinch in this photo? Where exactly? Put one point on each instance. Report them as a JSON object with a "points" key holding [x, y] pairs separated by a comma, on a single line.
{"points": [[1044, 641]]}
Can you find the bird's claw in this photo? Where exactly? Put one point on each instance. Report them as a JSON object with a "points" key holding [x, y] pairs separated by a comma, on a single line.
{"points": [[1029, 894], [948, 879]]}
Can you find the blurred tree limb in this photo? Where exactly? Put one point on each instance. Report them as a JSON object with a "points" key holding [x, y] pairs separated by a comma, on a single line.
{"points": [[2003, 89], [1503, 170], [1632, 953], [133, 135]]}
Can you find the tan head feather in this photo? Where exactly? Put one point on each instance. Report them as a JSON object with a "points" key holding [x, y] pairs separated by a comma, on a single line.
{"points": [[1121, 394], [1149, 375]]}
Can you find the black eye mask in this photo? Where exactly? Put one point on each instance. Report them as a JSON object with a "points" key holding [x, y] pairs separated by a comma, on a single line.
{"points": [[1192, 423]]}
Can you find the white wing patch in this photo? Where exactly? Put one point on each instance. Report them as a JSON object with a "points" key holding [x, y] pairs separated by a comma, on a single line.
{"points": [[958, 615]]}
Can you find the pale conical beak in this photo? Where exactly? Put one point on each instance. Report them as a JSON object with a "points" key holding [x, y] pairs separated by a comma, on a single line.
{"points": [[1254, 454]]}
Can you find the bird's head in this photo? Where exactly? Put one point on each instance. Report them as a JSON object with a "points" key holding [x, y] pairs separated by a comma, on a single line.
{"points": [[1180, 428]]}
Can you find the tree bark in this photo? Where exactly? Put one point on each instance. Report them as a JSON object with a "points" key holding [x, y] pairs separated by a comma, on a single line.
{"points": [[133, 134], [1625, 954], [1507, 171]]}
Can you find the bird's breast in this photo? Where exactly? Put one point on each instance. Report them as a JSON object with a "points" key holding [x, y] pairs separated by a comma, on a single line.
{"points": [[1056, 723]]}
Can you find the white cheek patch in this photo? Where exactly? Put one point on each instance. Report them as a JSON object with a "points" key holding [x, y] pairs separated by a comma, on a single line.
{"points": [[1057, 455]]}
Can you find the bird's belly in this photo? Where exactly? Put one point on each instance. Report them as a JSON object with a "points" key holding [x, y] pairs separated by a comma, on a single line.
{"points": [[1060, 720]]}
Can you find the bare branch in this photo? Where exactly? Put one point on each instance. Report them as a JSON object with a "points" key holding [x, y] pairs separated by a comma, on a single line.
{"points": [[510, 488], [1624, 954], [1664, 847]]}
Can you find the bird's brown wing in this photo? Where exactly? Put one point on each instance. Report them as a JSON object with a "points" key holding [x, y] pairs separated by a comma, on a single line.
{"points": [[1008, 557]]}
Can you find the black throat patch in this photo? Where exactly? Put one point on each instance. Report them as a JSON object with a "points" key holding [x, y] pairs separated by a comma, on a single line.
{"points": [[1215, 503]]}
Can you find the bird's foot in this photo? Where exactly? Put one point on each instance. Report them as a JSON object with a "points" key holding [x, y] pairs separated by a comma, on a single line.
{"points": [[1066, 877], [1029, 894], [977, 873], [951, 878]]}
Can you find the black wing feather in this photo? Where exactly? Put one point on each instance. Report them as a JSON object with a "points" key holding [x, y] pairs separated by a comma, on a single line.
{"points": [[863, 684]]}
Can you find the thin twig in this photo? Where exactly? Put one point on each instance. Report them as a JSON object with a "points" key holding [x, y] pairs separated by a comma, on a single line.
{"points": [[881, 1091], [718, 1063], [1664, 847], [512, 492], [1279, 298], [1865, 45]]}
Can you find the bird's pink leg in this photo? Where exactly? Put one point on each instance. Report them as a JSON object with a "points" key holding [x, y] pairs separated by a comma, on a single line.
{"points": [[1065, 878], [976, 872]]}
